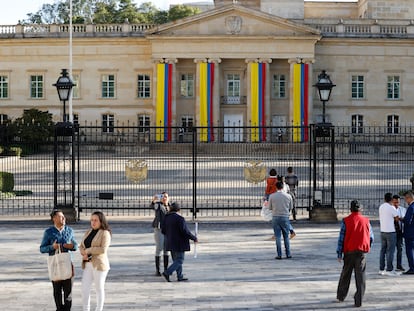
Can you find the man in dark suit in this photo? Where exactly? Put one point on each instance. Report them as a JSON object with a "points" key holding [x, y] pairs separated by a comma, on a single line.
{"points": [[177, 240]]}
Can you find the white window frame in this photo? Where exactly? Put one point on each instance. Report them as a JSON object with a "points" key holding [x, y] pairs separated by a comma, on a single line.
{"points": [[357, 124], [393, 124], [357, 86], [4, 86], [187, 85], [233, 85], [108, 122], [144, 123], [393, 87], [76, 88], [143, 86], [37, 86], [279, 86], [187, 122], [108, 86]]}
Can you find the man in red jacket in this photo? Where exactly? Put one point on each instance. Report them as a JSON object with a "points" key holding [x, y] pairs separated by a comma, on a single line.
{"points": [[355, 239]]}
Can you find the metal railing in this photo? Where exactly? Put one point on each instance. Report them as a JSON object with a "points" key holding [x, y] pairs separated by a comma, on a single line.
{"points": [[206, 178]]}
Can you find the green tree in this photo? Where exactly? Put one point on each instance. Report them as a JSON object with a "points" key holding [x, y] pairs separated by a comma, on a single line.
{"points": [[181, 11], [33, 126]]}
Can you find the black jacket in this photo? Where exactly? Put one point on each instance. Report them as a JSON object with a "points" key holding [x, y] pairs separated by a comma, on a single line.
{"points": [[177, 234]]}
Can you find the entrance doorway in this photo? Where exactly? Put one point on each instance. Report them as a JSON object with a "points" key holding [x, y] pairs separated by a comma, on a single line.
{"points": [[233, 127]]}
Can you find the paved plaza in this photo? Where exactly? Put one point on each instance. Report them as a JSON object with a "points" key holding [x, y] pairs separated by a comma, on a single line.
{"points": [[235, 270]]}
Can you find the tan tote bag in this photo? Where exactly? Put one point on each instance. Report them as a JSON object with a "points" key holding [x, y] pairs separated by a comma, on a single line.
{"points": [[60, 266]]}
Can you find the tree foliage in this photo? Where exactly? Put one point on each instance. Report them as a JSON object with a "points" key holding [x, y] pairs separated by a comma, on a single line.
{"points": [[33, 126], [106, 11]]}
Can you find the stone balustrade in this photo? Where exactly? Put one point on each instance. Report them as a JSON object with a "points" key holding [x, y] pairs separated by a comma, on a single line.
{"points": [[363, 28], [328, 28], [53, 30]]}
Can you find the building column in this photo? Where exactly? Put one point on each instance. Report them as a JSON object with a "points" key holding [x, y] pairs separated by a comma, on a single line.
{"points": [[258, 97], [165, 97], [207, 108], [300, 97]]}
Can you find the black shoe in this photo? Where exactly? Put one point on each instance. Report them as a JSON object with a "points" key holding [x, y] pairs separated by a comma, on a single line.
{"points": [[157, 273], [400, 268], [408, 272], [288, 257], [166, 277], [357, 305], [278, 257], [182, 280]]}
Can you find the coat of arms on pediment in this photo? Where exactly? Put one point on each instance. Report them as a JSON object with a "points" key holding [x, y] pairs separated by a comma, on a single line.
{"points": [[234, 24]]}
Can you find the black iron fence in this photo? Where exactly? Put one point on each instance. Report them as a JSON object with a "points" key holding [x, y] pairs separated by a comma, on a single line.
{"points": [[118, 169]]}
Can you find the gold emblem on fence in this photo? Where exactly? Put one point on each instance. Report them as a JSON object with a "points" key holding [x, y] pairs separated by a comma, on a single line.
{"points": [[136, 170], [254, 171]]}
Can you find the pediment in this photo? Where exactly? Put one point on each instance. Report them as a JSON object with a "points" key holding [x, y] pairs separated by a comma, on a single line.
{"points": [[233, 20]]}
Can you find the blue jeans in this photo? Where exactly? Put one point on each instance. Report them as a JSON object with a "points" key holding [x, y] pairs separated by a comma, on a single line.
{"points": [[388, 243], [409, 247], [281, 226], [177, 265]]}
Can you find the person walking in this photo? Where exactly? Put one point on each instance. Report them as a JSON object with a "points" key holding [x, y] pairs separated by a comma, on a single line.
{"points": [[387, 216], [95, 262], [292, 181], [408, 222], [177, 240], [60, 236], [160, 205], [354, 242], [280, 203], [399, 230]]}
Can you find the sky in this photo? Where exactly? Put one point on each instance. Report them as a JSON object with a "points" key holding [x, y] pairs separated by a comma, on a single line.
{"points": [[18, 9]]}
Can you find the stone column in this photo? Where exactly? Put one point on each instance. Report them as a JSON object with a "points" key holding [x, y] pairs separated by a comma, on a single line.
{"points": [[197, 61], [249, 62]]}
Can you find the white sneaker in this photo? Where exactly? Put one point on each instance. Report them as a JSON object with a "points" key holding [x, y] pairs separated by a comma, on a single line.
{"points": [[381, 272], [391, 273]]}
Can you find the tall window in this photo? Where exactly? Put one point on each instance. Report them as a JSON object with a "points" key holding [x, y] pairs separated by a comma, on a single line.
{"points": [[107, 123], [233, 85], [393, 124], [108, 86], [76, 87], [187, 85], [143, 123], [4, 87], [187, 123], [36, 86], [279, 86], [393, 87], [144, 86], [3, 118], [357, 87], [357, 123]]}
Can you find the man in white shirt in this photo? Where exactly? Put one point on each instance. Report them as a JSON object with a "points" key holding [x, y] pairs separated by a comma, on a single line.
{"points": [[387, 215], [399, 226]]}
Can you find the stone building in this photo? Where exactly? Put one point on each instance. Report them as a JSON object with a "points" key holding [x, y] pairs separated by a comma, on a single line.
{"points": [[243, 63]]}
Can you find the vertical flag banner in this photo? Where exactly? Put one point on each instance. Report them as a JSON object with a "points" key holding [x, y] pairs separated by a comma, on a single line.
{"points": [[163, 112], [257, 92], [300, 102], [206, 101]]}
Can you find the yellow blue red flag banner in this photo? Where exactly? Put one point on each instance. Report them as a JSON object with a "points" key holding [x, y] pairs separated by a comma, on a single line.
{"points": [[206, 101], [257, 92], [163, 112], [300, 102]]}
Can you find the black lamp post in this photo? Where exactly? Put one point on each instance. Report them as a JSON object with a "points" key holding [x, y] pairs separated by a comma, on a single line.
{"points": [[64, 87], [324, 87]]}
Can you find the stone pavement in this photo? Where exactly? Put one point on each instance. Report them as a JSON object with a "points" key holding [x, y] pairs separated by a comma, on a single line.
{"points": [[235, 270]]}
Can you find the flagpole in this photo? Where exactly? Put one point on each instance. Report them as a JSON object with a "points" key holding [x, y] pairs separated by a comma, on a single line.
{"points": [[195, 244], [70, 60]]}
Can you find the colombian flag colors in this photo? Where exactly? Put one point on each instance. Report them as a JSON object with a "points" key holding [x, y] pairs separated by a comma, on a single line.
{"points": [[163, 112], [206, 101], [300, 102], [257, 91]]}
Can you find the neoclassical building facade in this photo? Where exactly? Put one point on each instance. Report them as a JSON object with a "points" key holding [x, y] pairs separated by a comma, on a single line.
{"points": [[243, 63]]}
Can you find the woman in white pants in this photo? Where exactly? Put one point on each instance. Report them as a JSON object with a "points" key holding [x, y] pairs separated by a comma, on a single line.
{"points": [[95, 263]]}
